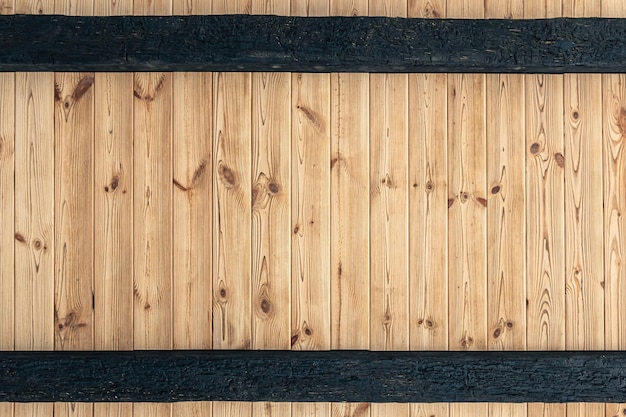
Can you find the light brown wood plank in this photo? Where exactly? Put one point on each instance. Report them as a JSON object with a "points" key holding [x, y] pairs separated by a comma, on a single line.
{"points": [[467, 211], [350, 211], [74, 7], [229, 409], [310, 7], [151, 410], [584, 290], [389, 409], [112, 7], [232, 211], [541, 9], [505, 212], [7, 219], [74, 205], [389, 260], [114, 410], [585, 409], [73, 409], [389, 8], [7, 6], [468, 410], [34, 6], [34, 409], [429, 410], [507, 410], [350, 410], [615, 410], [192, 409], [271, 409], [231, 6], [545, 263], [193, 185], [348, 7], [310, 409], [188, 7], [465, 9], [582, 8], [430, 9], [34, 211], [428, 221], [613, 8], [271, 206], [113, 213], [310, 299], [152, 214], [153, 7], [504, 9]]}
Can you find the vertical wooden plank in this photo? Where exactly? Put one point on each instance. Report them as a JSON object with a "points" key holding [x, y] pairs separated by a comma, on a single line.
{"points": [[74, 7], [34, 219], [428, 9], [310, 410], [507, 409], [350, 211], [152, 7], [271, 201], [468, 410], [229, 409], [231, 6], [113, 7], [507, 9], [467, 212], [193, 180], [582, 8], [34, 6], [350, 410], [348, 7], [113, 215], [34, 211], [74, 205], [429, 410], [584, 292], [152, 410], [310, 299], [187, 7], [114, 410], [152, 214], [232, 211], [7, 6], [192, 409], [543, 9], [613, 8], [505, 212], [615, 410], [585, 409], [7, 201], [271, 409]]}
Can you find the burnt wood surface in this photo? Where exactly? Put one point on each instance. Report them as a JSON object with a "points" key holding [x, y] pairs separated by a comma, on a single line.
{"points": [[168, 376], [310, 44]]}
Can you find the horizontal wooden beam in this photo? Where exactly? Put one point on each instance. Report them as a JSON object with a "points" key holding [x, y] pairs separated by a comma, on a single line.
{"points": [[168, 376], [307, 44]]}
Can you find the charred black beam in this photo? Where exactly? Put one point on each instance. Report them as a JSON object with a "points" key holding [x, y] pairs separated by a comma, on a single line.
{"points": [[168, 376], [309, 44]]}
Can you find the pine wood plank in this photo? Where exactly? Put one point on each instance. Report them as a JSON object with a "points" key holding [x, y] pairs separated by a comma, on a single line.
{"points": [[543, 9], [229, 409], [389, 289], [582, 8], [545, 212], [34, 211], [193, 184], [429, 410], [584, 290], [310, 409], [192, 409], [113, 7], [430, 9], [34, 409], [187, 7], [505, 212], [350, 211], [113, 212], [467, 213], [465, 9], [615, 410], [74, 205], [310, 300], [613, 8], [348, 7], [7, 219], [232, 211], [585, 409], [271, 207], [114, 410], [508, 9], [271, 409], [152, 410], [74, 7], [152, 7], [34, 6], [507, 410], [428, 222], [309, 7], [231, 6], [7, 6], [468, 410], [350, 410], [75, 409]]}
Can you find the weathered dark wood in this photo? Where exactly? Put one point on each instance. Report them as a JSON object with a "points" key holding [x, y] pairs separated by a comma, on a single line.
{"points": [[313, 376], [306, 44]]}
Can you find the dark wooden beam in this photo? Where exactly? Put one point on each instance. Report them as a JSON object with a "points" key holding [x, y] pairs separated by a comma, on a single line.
{"points": [[168, 376], [329, 44]]}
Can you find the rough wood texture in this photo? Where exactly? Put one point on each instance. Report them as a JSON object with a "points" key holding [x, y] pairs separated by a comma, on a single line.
{"points": [[355, 376], [340, 44]]}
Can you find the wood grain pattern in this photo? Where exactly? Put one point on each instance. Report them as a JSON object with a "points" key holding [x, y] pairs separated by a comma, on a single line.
{"points": [[152, 214], [231, 6], [508, 9], [34, 6], [152, 7], [348, 7], [505, 213], [34, 211], [232, 211], [113, 7], [613, 8], [309, 8], [468, 410], [585, 281], [74, 203], [74, 7], [582, 8], [350, 410], [507, 410], [152, 410], [545, 266], [34, 409], [467, 209], [310, 409], [7, 202], [113, 211], [465, 9], [350, 211], [114, 410], [271, 409], [187, 7], [429, 410], [229, 409], [428, 221], [192, 409], [585, 409], [429, 9], [310, 195], [7, 6], [389, 267], [192, 205], [615, 410], [542, 9]]}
